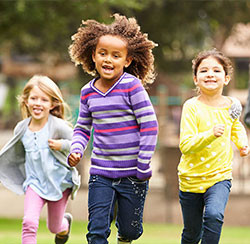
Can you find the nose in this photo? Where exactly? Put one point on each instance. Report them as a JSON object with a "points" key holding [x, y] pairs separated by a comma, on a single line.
{"points": [[210, 73], [107, 58], [38, 102]]}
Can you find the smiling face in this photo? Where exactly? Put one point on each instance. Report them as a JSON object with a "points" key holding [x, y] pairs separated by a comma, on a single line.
{"points": [[39, 105], [110, 57], [211, 77]]}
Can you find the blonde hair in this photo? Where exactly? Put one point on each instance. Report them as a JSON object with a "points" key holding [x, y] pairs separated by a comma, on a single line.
{"points": [[51, 89], [138, 45]]}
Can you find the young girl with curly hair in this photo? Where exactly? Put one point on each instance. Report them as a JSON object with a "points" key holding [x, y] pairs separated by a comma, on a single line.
{"points": [[209, 123], [118, 108], [34, 161]]}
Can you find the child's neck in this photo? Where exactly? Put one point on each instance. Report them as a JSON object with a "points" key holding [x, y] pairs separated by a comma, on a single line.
{"points": [[36, 125], [104, 85], [217, 100]]}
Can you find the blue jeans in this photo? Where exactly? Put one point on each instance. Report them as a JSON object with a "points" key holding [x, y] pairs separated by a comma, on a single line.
{"points": [[129, 194], [203, 213]]}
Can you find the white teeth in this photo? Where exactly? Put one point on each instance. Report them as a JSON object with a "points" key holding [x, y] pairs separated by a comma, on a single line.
{"points": [[37, 110]]}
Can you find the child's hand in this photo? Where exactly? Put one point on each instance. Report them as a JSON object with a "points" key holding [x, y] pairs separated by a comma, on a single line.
{"points": [[218, 130], [244, 151], [55, 144], [74, 159]]}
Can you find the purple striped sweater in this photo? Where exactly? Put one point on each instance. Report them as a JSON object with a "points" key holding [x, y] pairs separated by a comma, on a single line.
{"points": [[125, 128]]}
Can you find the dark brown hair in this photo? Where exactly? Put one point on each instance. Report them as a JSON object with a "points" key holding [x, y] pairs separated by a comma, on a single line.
{"points": [[138, 44], [219, 56]]}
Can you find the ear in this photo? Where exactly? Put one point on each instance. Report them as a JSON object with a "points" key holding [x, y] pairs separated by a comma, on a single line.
{"points": [[128, 61], [52, 107], [93, 56], [195, 79], [227, 80]]}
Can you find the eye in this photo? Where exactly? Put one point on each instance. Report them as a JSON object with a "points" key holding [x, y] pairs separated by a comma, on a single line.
{"points": [[45, 100], [203, 71], [101, 53]]}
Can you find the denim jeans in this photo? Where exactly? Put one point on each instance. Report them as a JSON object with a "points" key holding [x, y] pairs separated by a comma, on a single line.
{"points": [[203, 213], [129, 194]]}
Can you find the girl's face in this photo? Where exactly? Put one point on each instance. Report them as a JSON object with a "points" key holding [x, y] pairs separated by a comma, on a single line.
{"points": [[211, 76], [110, 57], [39, 105]]}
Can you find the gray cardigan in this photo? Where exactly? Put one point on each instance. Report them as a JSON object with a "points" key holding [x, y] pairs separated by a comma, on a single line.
{"points": [[12, 155]]}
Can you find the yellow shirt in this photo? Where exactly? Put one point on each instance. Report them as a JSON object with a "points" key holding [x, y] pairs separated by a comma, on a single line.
{"points": [[207, 159]]}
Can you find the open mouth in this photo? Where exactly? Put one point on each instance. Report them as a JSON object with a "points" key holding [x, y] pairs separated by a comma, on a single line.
{"points": [[107, 69], [210, 81], [37, 110]]}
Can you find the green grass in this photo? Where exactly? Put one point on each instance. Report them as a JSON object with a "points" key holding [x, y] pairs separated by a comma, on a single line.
{"points": [[10, 233]]}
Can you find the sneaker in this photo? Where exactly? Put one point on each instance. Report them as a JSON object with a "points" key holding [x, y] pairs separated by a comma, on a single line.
{"points": [[121, 240], [61, 239]]}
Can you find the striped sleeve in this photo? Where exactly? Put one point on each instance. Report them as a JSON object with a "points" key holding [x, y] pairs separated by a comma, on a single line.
{"points": [[82, 129], [146, 119]]}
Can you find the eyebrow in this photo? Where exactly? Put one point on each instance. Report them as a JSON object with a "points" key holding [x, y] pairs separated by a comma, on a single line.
{"points": [[205, 67]]}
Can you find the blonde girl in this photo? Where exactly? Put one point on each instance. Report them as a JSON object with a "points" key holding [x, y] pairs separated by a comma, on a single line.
{"points": [[210, 121], [34, 160]]}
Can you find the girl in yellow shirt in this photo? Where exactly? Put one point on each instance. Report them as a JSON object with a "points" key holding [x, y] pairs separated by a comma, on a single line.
{"points": [[209, 123]]}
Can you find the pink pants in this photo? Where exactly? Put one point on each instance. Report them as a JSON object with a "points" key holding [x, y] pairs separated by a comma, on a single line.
{"points": [[33, 205]]}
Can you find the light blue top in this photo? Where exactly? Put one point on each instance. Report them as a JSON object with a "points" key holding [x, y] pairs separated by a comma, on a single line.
{"points": [[13, 156], [44, 173]]}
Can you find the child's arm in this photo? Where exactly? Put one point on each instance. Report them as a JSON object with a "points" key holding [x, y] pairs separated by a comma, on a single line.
{"points": [[244, 151], [146, 119], [74, 159], [55, 144], [82, 130], [191, 139], [61, 137], [239, 137]]}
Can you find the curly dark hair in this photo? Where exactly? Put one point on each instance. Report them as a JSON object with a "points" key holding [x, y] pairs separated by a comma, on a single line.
{"points": [[219, 56], [138, 44]]}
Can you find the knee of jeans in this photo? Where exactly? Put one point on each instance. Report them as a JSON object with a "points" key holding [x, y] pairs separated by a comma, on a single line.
{"points": [[30, 225], [191, 236], [130, 233], [214, 216]]}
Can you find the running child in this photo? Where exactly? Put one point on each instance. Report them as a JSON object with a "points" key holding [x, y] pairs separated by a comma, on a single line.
{"points": [[210, 121], [34, 161], [116, 105]]}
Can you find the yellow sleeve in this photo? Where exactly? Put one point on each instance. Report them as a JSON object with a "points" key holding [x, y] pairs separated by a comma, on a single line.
{"points": [[191, 139], [238, 134]]}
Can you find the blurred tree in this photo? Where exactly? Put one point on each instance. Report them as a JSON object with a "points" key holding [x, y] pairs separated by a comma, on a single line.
{"points": [[42, 29], [184, 27]]}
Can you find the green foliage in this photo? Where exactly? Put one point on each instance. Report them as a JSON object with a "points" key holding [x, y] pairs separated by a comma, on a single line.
{"points": [[242, 80], [180, 27]]}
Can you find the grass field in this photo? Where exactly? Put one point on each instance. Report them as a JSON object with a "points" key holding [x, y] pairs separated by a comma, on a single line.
{"points": [[10, 233]]}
